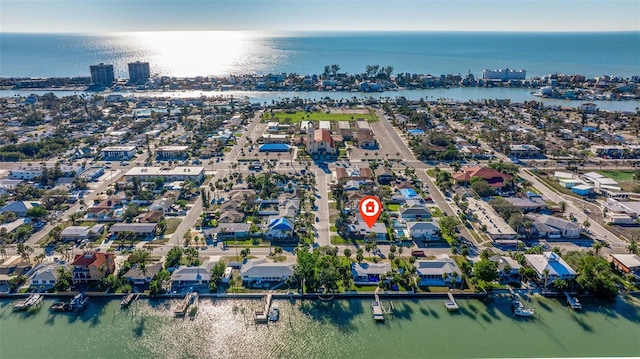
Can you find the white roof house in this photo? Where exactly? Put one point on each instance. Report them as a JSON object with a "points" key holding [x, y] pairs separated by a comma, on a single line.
{"points": [[259, 270], [552, 262], [369, 273]]}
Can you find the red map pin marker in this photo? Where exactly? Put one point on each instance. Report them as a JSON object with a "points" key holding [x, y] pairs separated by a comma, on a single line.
{"points": [[370, 209]]}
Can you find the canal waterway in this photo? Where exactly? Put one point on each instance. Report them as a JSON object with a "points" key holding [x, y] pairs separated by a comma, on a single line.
{"points": [[454, 94], [420, 328]]}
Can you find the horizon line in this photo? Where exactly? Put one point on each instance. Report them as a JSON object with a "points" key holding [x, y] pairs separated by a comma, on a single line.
{"points": [[334, 31]]}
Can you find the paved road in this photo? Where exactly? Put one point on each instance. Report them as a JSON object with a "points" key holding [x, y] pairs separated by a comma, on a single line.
{"points": [[420, 167], [322, 226], [616, 244]]}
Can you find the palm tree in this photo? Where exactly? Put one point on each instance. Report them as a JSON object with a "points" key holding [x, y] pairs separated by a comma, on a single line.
{"points": [[633, 247], [596, 247], [545, 274], [563, 207]]}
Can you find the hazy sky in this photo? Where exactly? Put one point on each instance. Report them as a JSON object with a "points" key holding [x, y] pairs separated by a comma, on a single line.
{"points": [[318, 15]]}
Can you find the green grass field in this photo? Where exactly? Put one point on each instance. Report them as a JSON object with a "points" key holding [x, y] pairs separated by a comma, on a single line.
{"points": [[620, 176], [322, 116]]}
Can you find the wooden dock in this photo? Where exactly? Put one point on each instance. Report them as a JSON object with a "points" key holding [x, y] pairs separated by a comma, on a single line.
{"points": [[376, 309], [130, 297], [188, 300], [573, 302], [34, 300], [451, 304], [262, 316]]}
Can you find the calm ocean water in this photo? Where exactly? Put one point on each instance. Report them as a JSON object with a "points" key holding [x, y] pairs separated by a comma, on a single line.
{"points": [[219, 53]]}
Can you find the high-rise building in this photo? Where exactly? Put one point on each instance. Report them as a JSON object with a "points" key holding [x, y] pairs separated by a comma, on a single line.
{"points": [[102, 74], [139, 72]]}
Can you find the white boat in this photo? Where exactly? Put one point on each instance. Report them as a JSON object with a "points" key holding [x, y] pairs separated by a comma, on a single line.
{"points": [[274, 313], [520, 310]]}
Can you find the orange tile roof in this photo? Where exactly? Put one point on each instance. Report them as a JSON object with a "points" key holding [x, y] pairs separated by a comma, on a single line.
{"points": [[87, 259], [322, 136], [486, 173]]}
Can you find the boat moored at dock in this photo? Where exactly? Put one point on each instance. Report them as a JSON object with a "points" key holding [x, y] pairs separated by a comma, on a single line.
{"points": [[33, 301], [78, 302]]}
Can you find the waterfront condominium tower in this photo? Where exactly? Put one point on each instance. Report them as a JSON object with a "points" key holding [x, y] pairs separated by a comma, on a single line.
{"points": [[138, 72], [102, 74]]}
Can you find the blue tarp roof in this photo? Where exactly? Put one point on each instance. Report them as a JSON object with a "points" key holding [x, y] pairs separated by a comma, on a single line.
{"points": [[274, 147]]}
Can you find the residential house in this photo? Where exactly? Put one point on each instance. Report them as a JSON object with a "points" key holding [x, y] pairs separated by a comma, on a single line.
{"points": [[190, 277], [257, 271], [8, 185], [441, 271], [280, 228], [149, 217], [551, 262], [230, 217], [566, 228], [541, 230], [44, 276], [524, 151], [357, 174], [493, 177], [228, 231], [12, 269], [366, 140], [20, 208], [76, 233], [508, 268], [162, 204], [383, 175], [139, 276], [627, 263], [369, 273], [359, 229], [141, 230], [344, 129], [92, 266], [106, 209], [528, 204], [424, 231], [415, 213]]}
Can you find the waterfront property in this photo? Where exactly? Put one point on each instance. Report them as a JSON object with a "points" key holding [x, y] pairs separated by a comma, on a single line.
{"points": [[257, 271], [627, 263], [190, 277], [369, 273], [441, 271], [44, 275], [550, 266], [90, 267]]}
